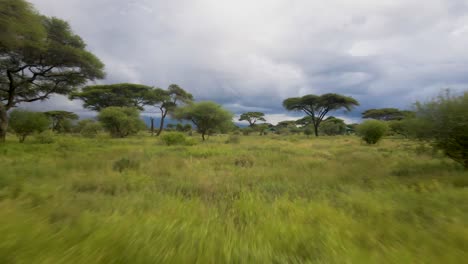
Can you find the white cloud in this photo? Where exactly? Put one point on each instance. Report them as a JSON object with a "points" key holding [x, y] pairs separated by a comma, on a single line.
{"points": [[257, 53]]}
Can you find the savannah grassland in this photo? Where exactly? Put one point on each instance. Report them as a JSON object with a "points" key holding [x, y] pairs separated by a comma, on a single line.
{"points": [[271, 199]]}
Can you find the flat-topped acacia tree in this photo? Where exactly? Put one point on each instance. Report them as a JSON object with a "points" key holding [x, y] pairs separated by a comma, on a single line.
{"points": [[252, 117], [39, 56], [98, 97], [318, 106]]}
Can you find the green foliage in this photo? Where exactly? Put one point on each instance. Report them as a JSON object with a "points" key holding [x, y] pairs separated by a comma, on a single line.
{"points": [[206, 116], [333, 126], [125, 164], [183, 128], [39, 56], [174, 138], [317, 107], [371, 131], [45, 137], [61, 120], [387, 114], [247, 130], [25, 123], [98, 97], [444, 122], [166, 101], [308, 131], [121, 121], [252, 117], [90, 129], [233, 139]]}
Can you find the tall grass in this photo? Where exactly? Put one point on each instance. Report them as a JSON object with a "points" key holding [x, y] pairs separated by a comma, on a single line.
{"points": [[272, 199]]}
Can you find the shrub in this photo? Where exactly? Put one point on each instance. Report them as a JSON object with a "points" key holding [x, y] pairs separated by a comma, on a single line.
{"points": [[121, 121], [444, 122], [24, 123], [371, 131], [174, 138], [125, 164], [91, 129], [233, 139], [246, 131], [308, 131], [45, 137]]}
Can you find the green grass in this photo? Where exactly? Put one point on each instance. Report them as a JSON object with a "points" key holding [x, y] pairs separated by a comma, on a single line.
{"points": [[274, 199]]}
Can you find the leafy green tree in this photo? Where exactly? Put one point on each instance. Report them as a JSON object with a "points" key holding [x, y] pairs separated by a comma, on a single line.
{"points": [[371, 131], [443, 122], [91, 129], [60, 120], [386, 114], [333, 126], [25, 123], [166, 101], [39, 56], [121, 121], [287, 124], [206, 116], [98, 97], [317, 107], [252, 117]]}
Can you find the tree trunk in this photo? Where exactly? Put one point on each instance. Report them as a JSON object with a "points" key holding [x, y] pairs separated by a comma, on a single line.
{"points": [[152, 126], [316, 130], [3, 123], [203, 136], [161, 124]]}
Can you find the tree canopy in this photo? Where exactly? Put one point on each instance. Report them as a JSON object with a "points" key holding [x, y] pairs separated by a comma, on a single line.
{"points": [[60, 119], [252, 117], [121, 122], [25, 123], [443, 122], [206, 116], [39, 56], [386, 114], [318, 106], [98, 97], [166, 101]]}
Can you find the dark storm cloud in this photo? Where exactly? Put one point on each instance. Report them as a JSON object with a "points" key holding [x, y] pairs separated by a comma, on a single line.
{"points": [[250, 55]]}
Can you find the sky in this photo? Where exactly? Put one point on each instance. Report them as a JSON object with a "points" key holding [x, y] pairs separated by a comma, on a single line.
{"points": [[251, 55]]}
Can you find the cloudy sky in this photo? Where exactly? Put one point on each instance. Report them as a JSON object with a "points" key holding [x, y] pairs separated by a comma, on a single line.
{"points": [[251, 55]]}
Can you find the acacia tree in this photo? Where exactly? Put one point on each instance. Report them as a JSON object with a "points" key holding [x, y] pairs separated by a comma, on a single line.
{"points": [[318, 106], [252, 117], [386, 114], [98, 97], [25, 123], [166, 101], [206, 116], [60, 119], [39, 56]]}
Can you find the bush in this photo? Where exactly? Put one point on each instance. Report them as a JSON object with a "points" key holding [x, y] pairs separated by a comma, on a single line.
{"points": [[45, 137], [174, 138], [308, 131], [371, 131], [233, 139], [246, 131], [24, 123], [121, 121], [91, 129], [125, 164], [443, 122]]}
